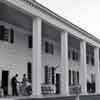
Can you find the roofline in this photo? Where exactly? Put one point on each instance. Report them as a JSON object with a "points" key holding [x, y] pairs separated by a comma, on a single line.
{"points": [[63, 20]]}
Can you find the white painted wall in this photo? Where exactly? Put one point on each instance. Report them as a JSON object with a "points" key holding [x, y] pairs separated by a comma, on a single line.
{"points": [[14, 57], [90, 70], [48, 59]]}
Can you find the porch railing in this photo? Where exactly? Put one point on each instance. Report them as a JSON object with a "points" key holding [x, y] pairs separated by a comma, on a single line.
{"points": [[48, 89], [75, 89]]}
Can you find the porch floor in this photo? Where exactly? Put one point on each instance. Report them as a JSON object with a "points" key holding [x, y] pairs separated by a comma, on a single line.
{"points": [[83, 97]]}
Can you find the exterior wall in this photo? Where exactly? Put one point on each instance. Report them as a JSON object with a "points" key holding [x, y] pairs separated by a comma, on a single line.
{"points": [[90, 70], [48, 59], [74, 65], [14, 57], [54, 20]]}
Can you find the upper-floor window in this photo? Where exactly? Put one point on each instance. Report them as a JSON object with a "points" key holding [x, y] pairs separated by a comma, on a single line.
{"points": [[6, 34], [30, 41], [49, 48], [73, 54], [90, 59], [90, 55]]}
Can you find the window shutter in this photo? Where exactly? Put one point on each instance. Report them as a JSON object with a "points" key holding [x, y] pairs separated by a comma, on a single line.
{"points": [[53, 75], [46, 74], [11, 36], [74, 76], [46, 47], [78, 77], [30, 41], [69, 77], [2, 32]]}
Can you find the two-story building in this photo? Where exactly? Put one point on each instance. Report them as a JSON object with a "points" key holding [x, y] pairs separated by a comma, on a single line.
{"points": [[54, 53]]}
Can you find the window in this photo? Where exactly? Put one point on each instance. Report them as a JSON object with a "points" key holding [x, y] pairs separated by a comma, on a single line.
{"points": [[6, 34], [77, 56], [49, 48], [73, 53], [29, 71], [90, 55], [3, 33], [30, 41], [90, 59], [73, 77]]}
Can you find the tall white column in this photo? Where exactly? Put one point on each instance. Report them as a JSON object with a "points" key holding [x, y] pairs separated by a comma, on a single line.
{"points": [[97, 69], [36, 68], [64, 64], [83, 68]]}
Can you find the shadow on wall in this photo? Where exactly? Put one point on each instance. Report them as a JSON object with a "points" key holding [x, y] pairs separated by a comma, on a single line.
{"points": [[90, 97]]}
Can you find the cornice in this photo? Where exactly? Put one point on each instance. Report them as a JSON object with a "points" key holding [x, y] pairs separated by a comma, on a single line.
{"points": [[37, 5]]}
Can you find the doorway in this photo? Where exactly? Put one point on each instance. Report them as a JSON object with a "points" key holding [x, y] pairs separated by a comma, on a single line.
{"points": [[5, 75], [29, 71], [58, 83]]}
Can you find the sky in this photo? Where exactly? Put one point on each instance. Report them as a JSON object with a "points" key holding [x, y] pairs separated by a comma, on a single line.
{"points": [[83, 13]]}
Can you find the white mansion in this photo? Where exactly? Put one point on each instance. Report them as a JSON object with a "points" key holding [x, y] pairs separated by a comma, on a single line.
{"points": [[54, 53]]}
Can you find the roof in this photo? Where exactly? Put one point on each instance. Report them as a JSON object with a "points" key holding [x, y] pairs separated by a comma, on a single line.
{"points": [[63, 20]]}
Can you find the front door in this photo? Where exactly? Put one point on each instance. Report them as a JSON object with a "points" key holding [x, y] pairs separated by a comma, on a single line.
{"points": [[5, 75]]}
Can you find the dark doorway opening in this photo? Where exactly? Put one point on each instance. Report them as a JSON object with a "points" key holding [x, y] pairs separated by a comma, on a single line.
{"points": [[5, 75], [58, 83], [29, 71]]}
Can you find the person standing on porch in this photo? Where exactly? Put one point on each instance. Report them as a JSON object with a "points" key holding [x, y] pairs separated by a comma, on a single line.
{"points": [[24, 80], [14, 85]]}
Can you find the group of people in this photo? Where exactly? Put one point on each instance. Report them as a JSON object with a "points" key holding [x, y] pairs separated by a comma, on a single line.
{"points": [[91, 87], [21, 88]]}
